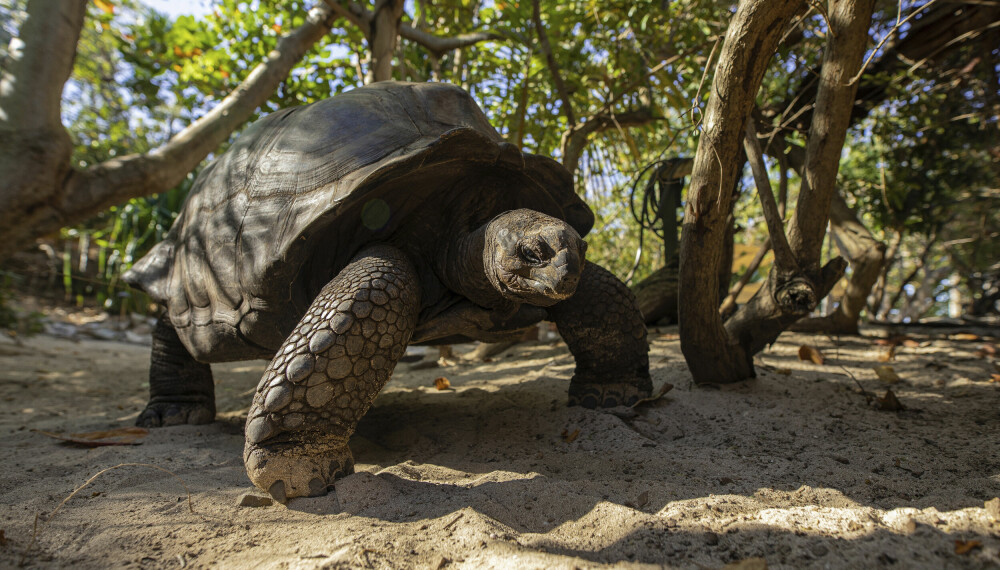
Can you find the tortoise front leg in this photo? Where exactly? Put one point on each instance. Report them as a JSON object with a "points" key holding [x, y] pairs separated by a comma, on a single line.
{"points": [[327, 373], [604, 329], [181, 390]]}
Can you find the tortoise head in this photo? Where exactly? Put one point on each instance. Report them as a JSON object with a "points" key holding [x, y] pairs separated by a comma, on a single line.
{"points": [[533, 258]]}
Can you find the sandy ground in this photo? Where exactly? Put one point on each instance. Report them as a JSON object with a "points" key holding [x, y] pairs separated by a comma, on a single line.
{"points": [[792, 470]]}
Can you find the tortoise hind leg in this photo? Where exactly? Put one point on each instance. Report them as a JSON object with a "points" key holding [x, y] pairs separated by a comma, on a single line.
{"points": [[326, 375], [604, 329], [181, 390]]}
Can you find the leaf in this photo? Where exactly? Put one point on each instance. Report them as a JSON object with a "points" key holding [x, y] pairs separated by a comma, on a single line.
{"points": [[442, 383], [965, 336], [570, 437], [995, 378], [887, 374], [667, 386], [810, 353], [889, 403], [987, 350], [106, 7], [966, 546], [888, 354], [118, 436]]}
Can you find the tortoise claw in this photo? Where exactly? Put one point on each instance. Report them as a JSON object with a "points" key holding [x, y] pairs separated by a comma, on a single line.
{"points": [[163, 414], [593, 396]]}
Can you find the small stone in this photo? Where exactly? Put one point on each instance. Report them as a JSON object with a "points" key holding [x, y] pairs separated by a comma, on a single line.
{"points": [[711, 538], [299, 368], [251, 500], [278, 397], [341, 323], [277, 490], [319, 395], [321, 341], [259, 429]]}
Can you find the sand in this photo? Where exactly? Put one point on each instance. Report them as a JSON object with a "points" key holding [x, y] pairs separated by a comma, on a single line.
{"points": [[795, 469]]}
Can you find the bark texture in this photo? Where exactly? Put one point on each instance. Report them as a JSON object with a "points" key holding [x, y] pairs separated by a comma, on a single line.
{"points": [[384, 32], [754, 32], [790, 295], [866, 256]]}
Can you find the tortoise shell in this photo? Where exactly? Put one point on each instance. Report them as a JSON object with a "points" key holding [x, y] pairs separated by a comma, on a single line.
{"points": [[276, 216]]}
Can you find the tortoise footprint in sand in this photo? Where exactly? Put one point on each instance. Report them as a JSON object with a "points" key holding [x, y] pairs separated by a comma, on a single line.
{"points": [[330, 236]]}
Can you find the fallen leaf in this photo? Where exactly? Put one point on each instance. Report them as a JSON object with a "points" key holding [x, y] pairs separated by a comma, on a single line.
{"points": [[570, 437], [667, 386], [987, 350], [888, 355], [810, 353], [964, 336], [910, 343], [895, 340], [994, 377], [442, 383], [889, 403], [966, 546], [643, 499], [886, 374], [118, 436]]}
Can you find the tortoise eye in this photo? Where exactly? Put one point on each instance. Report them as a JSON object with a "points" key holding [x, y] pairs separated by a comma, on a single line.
{"points": [[529, 255]]}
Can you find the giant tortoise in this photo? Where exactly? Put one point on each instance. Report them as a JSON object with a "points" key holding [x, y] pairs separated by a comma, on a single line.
{"points": [[332, 235]]}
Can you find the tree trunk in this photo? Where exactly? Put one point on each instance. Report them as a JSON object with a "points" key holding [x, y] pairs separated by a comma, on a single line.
{"points": [[866, 256], [794, 286], [383, 38], [41, 191], [753, 35]]}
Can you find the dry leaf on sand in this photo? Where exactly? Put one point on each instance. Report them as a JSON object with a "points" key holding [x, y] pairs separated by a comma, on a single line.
{"points": [[570, 437], [810, 353], [886, 374], [442, 383], [888, 354], [118, 436], [889, 403], [966, 546]]}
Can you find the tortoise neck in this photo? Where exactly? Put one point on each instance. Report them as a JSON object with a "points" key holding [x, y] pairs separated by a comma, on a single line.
{"points": [[463, 269]]}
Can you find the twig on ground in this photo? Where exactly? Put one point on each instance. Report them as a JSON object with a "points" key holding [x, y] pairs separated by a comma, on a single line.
{"points": [[35, 528]]}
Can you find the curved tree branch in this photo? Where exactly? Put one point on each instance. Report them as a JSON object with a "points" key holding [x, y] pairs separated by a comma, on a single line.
{"points": [[574, 140], [81, 194], [752, 38], [550, 60], [437, 45]]}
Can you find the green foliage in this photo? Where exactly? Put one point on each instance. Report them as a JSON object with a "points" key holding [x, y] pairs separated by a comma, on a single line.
{"points": [[140, 77]]}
